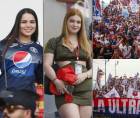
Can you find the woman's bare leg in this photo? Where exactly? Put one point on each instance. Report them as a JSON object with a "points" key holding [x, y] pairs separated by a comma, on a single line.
{"points": [[69, 110], [85, 111]]}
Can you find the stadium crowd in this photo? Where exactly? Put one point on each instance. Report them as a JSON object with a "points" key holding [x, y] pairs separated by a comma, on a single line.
{"points": [[117, 34]]}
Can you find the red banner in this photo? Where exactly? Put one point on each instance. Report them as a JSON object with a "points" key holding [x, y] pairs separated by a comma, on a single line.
{"points": [[123, 106]]}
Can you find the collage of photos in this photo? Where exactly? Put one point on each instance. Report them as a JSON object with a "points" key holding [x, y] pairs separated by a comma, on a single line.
{"points": [[116, 79], [70, 59], [46, 59]]}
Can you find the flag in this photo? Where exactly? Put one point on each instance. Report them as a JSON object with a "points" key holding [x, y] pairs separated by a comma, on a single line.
{"points": [[96, 9], [134, 6], [125, 12], [112, 94], [109, 80], [132, 93], [137, 74], [98, 79], [97, 4], [135, 80], [133, 1]]}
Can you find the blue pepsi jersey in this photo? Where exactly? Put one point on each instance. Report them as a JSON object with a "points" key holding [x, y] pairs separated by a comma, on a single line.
{"points": [[23, 64]]}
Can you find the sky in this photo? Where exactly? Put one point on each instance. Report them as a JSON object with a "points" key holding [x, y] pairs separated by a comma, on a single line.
{"points": [[128, 67]]}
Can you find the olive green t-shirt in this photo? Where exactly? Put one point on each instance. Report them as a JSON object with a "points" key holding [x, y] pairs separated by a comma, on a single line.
{"points": [[63, 53]]}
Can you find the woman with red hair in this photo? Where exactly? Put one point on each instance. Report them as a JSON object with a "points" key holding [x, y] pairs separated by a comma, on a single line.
{"points": [[71, 48]]}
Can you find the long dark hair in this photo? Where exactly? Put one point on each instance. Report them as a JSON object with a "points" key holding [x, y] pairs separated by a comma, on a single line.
{"points": [[13, 35]]}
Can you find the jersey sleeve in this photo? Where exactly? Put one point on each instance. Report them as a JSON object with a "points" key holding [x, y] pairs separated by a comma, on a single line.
{"points": [[50, 46]]}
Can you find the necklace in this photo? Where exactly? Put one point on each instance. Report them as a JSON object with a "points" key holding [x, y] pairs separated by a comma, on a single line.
{"points": [[77, 52], [75, 48]]}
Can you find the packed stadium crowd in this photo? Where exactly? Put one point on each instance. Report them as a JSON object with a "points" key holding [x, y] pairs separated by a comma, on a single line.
{"points": [[120, 87], [116, 35]]}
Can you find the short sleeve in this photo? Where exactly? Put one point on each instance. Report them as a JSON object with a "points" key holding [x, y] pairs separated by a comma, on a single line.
{"points": [[50, 46]]}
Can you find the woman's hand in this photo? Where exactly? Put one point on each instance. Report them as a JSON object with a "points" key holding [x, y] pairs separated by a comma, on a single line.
{"points": [[60, 86], [80, 78]]}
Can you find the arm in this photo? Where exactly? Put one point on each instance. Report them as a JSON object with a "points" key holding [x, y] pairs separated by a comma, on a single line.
{"points": [[49, 71], [48, 61], [101, 51], [83, 76], [128, 52]]}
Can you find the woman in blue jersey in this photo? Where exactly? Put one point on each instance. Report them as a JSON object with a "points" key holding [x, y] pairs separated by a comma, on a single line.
{"points": [[21, 55]]}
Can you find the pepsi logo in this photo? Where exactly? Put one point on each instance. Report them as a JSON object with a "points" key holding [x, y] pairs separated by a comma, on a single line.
{"points": [[22, 59]]}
